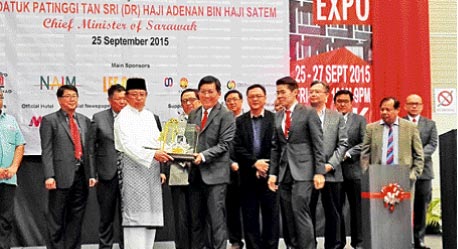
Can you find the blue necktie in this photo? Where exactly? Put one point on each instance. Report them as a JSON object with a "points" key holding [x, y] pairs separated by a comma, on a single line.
{"points": [[256, 122], [390, 147]]}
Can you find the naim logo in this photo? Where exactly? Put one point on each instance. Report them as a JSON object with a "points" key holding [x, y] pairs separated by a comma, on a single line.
{"points": [[168, 81], [56, 81], [3, 79], [35, 121], [109, 81]]}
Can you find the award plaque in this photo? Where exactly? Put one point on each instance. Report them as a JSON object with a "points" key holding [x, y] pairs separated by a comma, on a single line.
{"points": [[179, 139]]}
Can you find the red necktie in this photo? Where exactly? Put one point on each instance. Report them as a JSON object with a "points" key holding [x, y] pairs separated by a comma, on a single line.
{"points": [[414, 121], [204, 120], [287, 122], [75, 137]]}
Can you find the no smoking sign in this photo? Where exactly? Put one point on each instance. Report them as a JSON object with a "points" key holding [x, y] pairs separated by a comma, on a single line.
{"points": [[445, 100]]}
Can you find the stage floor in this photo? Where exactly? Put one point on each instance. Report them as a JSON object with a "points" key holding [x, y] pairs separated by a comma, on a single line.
{"points": [[433, 241]]}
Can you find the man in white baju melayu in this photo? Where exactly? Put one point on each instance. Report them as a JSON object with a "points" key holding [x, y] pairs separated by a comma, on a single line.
{"points": [[136, 131]]}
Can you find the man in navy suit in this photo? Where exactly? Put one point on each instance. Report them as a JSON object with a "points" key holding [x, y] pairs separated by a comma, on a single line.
{"points": [[252, 146], [102, 157], [64, 135], [356, 128], [423, 187], [209, 173]]}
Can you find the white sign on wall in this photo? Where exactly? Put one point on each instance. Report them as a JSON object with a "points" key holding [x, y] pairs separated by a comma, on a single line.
{"points": [[445, 100]]}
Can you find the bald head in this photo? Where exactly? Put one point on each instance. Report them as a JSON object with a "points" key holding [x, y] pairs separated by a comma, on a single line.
{"points": [[414, 105]]}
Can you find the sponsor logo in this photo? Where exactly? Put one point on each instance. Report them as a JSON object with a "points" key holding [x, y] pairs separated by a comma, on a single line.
{"points": [[49, 82], [168, 81], [184, 83], [231, 84], [35, 121], [3, 79], [108, 81]]}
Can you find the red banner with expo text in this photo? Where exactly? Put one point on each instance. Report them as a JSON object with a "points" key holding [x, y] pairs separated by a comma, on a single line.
{"points": [[373, 48]]}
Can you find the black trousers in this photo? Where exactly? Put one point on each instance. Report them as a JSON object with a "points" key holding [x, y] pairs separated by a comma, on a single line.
{"points": [[109, 199], [65, 214], [182, 216], [331, 195], [352, 189], [7, 193], [264, 232], [296, 216], [423, 194], [208, 213], [234, 217]]}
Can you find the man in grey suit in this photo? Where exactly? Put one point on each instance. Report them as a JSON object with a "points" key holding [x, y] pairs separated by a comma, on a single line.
{"points": [[64, 137], [209, 173], [423, 187], [297, 163], [334, 147], [102, 157], [356, 127]]}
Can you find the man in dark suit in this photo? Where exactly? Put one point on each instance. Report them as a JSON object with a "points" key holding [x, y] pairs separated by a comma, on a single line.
{"points": [[297, 163], [209, 173], [252, 146], [64, 137], [423, 187], [102, 157], [356, 127], [234, 101], [334, 147]]}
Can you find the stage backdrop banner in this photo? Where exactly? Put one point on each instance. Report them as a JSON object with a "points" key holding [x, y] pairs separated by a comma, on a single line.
{"points": [[331, 41], [172, 44]]}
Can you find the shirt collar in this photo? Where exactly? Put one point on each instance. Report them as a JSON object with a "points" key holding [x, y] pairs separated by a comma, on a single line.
{"points": [[416, 117], [293, 106], [260, 115], [396, 122]]}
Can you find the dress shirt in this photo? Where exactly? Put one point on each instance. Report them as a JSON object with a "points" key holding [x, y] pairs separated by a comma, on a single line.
{"points": [[284, 116], [321, 115], [133, 131], [416, 119], [386, 129], [208, 115], [10, 138]]}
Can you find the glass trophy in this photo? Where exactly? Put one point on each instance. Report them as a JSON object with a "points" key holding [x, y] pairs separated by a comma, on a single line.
{"points": [[179, 139]]}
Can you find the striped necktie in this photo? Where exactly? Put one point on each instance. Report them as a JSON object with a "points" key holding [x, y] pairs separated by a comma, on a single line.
{"points": [[390, 147]]}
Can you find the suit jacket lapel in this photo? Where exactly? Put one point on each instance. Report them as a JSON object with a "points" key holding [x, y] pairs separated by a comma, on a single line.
{"points": [[350, 117], [82, 128], [63, 122], [110, 119]]}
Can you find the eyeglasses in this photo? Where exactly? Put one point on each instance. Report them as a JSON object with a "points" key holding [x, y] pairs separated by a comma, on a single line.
{"points": [[69, 96], [257, 96], [232, 99], [190, 100], [316, 92], [414, 103], [342, 101]]}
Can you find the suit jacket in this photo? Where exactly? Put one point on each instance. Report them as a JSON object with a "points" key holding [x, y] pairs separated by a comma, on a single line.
{"points": [[243, 144], [335, 143], [57, 150], [302, 150], [410, 148], [214, 141], [102, 152], [428, 135], [356, 128]]}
